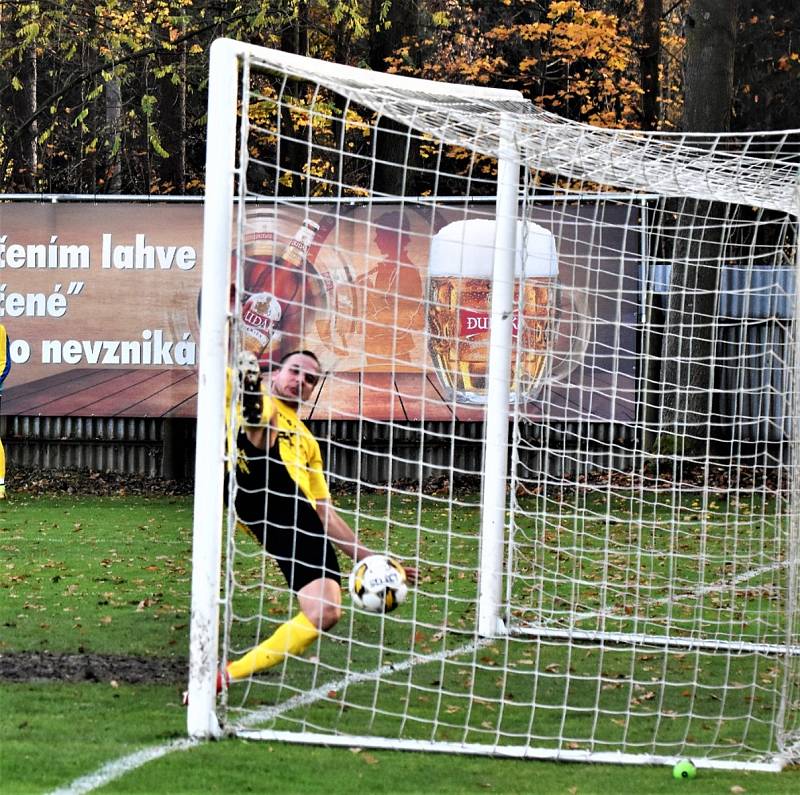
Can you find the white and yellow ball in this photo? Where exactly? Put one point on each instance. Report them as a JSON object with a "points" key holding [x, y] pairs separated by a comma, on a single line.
{"points": [[378, 584]]}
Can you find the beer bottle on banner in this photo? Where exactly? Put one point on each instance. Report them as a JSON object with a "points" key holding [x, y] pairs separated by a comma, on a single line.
{"points": [[290, 283], [275, 309]]}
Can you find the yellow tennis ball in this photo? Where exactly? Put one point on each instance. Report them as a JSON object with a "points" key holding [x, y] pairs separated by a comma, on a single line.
{"points": [[684, 769]]}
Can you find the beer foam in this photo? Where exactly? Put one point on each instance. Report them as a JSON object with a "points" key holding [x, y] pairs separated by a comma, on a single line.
{"points": [[466, 249]]}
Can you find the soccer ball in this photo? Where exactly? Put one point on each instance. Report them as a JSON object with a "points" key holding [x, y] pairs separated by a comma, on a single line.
{"points": [[378, 584]]}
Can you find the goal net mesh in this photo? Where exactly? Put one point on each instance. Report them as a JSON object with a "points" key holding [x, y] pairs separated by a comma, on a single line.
{"points": [[648, 575]]}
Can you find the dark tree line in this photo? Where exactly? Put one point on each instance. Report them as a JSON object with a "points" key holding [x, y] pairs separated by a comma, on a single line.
{"points": [[110, 97]]}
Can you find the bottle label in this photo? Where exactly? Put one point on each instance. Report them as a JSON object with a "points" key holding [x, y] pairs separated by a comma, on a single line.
{"points": [[299, 245], [472, 323], [261, 311]]}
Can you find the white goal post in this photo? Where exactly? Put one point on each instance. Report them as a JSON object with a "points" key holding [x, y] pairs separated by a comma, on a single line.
{"points": [[559, 377]]}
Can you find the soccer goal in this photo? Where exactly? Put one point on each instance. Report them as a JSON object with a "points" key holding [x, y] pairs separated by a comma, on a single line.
{"points": [[559, 377]]}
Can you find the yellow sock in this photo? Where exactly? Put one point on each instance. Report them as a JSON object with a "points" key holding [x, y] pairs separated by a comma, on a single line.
{"points": [[293, 637]]}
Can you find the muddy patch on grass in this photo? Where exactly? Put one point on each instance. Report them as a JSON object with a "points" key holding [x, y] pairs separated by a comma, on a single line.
{"points": [[133, 669]]}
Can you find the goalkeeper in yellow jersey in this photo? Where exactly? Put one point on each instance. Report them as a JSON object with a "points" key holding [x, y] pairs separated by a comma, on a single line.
{"points": [[5, 366], [282, 499]]}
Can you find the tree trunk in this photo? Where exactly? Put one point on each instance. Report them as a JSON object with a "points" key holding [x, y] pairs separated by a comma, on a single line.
{"points": [[397, 155], [650, 58], [113, 95], [294, 151], [708, 73], [24, 104], [696, 258], [341, 167], [172, 120]]}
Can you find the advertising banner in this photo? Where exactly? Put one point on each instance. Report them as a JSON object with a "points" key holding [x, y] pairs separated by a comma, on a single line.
{"points": [[101, 303]]}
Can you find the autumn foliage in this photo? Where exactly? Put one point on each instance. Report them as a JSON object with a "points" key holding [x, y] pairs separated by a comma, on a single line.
{"points": [[110, 97]]}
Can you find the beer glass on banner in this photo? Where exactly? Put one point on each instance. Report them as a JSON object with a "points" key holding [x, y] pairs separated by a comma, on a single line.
{"points": [[459, 308]]}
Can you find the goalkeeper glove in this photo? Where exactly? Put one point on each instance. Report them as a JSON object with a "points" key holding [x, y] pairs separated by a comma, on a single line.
{"points": [[250, 380]]}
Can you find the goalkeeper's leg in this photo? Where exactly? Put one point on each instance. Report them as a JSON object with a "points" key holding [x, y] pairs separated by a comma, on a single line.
{"points": [[320, 608]]}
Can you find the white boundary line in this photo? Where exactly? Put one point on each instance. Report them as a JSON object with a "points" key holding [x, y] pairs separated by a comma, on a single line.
{"points": [[119, 767], [714, 587], [723, 584], [304, 699], [677, 641]]}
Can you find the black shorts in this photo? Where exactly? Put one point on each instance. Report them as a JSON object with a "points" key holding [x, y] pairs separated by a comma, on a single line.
{"points": [[280, 517]]}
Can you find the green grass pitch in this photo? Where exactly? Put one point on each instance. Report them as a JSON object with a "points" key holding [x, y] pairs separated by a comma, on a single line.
{"points": [[110, 576]]}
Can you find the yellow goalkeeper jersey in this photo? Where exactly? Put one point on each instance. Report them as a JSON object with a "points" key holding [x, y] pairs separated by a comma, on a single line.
{"points": [[299, 450]]}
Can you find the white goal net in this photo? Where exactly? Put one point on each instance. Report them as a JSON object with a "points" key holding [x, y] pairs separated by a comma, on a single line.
{"points": [[557, 376]]}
